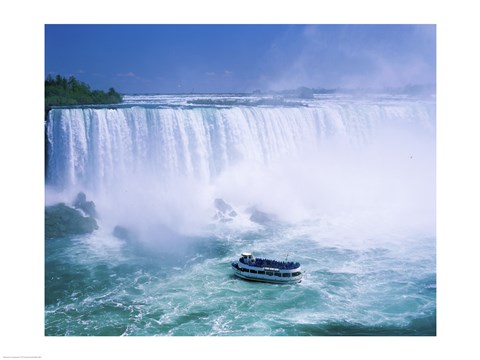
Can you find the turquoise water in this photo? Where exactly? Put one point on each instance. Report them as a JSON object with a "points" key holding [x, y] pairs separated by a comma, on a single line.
{"points": [[98, 285], [348, 182]]}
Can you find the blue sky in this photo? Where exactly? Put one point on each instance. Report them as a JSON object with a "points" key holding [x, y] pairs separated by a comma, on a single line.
{"points": [[241, 58]]}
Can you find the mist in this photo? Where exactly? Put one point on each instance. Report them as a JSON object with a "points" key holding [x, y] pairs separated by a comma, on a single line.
{"points": [[157, 172], [388, 185], [353, 57]]}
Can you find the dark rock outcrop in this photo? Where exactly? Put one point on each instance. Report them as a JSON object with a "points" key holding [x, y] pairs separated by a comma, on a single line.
{"points": [[62, 220], [88, 207], [224, 212], [261, 217], [122, 233]]}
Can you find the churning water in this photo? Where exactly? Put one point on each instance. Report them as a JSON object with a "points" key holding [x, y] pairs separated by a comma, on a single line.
{"points": [[346, 187]]}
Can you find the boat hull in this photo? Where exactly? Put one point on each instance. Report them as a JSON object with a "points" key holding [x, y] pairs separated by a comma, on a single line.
{"points": [[274, 276]]}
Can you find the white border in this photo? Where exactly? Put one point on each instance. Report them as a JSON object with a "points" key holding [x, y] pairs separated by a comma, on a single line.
{"points": [[22, 29]]}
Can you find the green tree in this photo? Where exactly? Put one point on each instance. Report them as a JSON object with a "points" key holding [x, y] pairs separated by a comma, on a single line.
{"points": [[60, 91]]}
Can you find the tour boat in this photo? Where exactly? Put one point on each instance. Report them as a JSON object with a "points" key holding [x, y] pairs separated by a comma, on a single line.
{"points": [[265, 270]]}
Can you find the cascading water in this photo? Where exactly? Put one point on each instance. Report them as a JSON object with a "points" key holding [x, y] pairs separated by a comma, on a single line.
{"points": [[94, 147], [349, 182]]}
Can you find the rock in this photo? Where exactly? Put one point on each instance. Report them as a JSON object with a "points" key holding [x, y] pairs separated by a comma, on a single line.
{"points": [[222, 206], [62, 220], [122, 233], [224, 212], [261, 217], [88, 207], [80, 199]]}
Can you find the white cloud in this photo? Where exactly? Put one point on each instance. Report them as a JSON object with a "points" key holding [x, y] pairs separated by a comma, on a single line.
{"points": [[352, 58]]}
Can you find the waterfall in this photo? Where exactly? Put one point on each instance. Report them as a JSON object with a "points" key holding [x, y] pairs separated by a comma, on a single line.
{"points": [[330, 156], [95, 147]]}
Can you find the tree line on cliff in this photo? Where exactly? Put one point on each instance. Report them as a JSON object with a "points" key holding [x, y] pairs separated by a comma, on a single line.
{"points": [[62, 91]]}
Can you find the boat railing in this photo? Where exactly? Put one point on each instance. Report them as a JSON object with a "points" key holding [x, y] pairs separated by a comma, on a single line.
{"points": [[267, 263]]}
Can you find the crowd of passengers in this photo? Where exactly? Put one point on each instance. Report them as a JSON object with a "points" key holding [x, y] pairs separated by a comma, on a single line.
{"points": [[282, 265]]}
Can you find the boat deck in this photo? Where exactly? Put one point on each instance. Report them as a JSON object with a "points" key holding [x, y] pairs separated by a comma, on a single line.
{"points": [[267, 263]]}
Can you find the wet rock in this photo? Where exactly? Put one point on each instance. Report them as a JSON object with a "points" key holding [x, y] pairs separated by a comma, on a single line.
{"points": [[224, 212], [223, 207], [88, 207], [62, 220], [261, 217], [122, 233]]}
